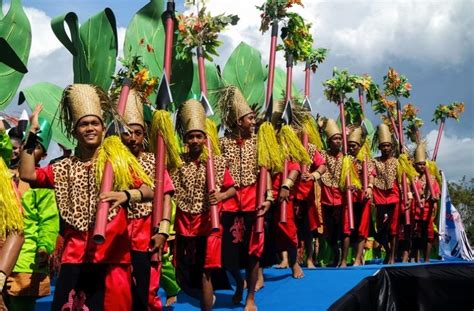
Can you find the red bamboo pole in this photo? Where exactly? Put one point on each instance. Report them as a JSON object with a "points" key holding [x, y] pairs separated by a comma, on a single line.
{"points": [[211, 182], [271, 63], [428, 181], [438, 140], [416, 193], [395, 128], [289, 77], [304, 139], [160, 154], [307, 78], [404, 176], [348, 178], [102, 212], [262, 174], [365, 171]]}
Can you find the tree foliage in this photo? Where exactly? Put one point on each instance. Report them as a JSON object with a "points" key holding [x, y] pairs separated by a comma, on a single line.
{"points": [[462, 196]]}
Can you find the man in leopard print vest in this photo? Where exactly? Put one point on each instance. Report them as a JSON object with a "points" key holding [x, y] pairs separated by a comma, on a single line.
{"points": [[242, 246], [332, 198], [146, 275], [362, 199], [423, 231], [198, 248], [386, 193], [90, 272], [306, 198]]}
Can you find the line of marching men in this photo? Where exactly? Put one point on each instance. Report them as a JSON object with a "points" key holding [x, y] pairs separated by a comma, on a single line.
{"points": [[306, 185]]}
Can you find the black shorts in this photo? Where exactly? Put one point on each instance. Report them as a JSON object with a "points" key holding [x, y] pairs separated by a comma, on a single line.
{"points": [[190, 259], [237, 229]]}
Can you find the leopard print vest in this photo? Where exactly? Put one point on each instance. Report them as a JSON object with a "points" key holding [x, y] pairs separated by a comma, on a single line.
{"points": [[139, 210], [334, 168], [386, 172], [241, 159], [76, 193], [190, 184]]}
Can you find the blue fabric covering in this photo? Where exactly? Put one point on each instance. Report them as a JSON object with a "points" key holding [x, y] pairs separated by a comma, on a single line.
{"points": [[316, 291]]}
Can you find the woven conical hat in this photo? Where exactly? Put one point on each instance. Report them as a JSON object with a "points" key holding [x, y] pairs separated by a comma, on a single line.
{"points": [[420, 152], [82, 100], [355, 135], [134, 109], [331, 128], [192, 117], [383, 133]]}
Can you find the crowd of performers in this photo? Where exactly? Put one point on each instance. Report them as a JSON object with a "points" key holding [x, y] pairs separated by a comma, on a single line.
{"points": [[59, 202]]}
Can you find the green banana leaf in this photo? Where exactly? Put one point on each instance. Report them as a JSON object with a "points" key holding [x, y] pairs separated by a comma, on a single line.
{"points": [[73, 45], [49, 95], [99, 38], [16, 30], [279, 86], [214, 84], [10, 58], [243, 69], [145, 37]]}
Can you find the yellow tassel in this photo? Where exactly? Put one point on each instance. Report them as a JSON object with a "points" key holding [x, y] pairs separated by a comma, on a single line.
{"points": [[291, 146], [404, 166], [434, 171], [11, 219], [212, 135], [310, 127], [364, 152], [348, 168], [163, 124], [125, 165], [268, 149]]}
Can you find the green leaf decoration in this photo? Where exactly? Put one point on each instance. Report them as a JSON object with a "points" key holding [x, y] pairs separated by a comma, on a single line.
{"points": [[396, 85], [49, 95], [201, 30], [145, 37], [73, 45], [339, 85], [16, 30], [453, 110], [214, 84], [99, 38], [353, 112], [243, 69], [93, 46], [316, 57]]}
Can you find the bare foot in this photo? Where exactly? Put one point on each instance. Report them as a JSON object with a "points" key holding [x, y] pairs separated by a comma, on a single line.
{"points": [[250, 304], [282, 265], [297, 271], [357, 263], [171, 300], [343, 264], [310, 264]]}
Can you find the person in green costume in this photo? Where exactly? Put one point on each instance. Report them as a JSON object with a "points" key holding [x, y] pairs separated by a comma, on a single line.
{"points": [[11, 226], [30, 277], [168, 274]]}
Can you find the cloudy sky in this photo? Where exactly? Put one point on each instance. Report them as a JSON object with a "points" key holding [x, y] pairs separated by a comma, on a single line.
{"points": [[431, 42]]}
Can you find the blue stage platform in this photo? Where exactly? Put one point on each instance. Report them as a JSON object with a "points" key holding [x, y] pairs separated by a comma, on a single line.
{"points": [[320, 288]]}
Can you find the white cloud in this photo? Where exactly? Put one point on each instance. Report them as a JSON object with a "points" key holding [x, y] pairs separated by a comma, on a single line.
{"points": [[44, 41], [455, 156], [370, 32], [120, 40]]}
